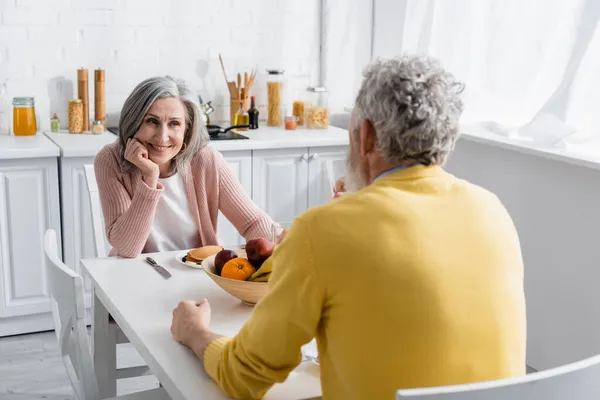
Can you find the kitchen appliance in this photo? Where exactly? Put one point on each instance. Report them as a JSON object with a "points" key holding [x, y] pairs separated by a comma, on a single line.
{"points": [[215, 132], [218, 133], [206, 109]]}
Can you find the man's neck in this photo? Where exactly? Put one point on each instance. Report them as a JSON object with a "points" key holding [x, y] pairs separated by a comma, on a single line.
{"points": [[383, 166]]}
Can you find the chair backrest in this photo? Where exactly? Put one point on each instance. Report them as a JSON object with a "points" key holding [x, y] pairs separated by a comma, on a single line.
{"points": [[96, 207], [579, 380], [68, 313]]}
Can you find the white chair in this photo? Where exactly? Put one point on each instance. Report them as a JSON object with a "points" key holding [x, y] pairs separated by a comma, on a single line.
{"points": [[96, 207], [576, 381], [101, 251], [68, 312]]}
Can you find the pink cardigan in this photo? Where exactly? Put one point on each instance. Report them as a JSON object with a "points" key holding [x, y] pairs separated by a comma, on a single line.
{"points": [[129, 204]]}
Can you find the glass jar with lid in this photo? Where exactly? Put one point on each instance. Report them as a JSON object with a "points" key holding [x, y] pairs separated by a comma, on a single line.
{"points": [[317, 108], [275, 86], [24, 123]]}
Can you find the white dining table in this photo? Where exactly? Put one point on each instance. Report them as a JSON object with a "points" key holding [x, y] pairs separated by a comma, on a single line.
{"points": [[141, 302]]}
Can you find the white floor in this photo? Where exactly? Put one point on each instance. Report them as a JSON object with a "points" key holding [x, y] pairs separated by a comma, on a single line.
{"points": [[31, 369]]}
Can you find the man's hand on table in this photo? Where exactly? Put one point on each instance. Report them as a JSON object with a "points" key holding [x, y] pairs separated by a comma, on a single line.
{"points": [[190, 325], [340, 188]]}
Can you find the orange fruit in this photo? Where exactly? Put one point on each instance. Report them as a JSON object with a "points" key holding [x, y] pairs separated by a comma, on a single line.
{"points": [[238, 268]]}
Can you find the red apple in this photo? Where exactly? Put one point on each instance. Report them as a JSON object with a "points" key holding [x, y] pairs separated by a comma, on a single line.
{"points": [[258, 250], [222, 257]]}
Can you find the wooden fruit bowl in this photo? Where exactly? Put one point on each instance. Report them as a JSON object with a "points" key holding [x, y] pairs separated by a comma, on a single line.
{"points": [[248, 292]]}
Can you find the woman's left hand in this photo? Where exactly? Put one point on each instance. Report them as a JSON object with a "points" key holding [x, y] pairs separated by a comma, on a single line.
{"points": [[280, 237]]}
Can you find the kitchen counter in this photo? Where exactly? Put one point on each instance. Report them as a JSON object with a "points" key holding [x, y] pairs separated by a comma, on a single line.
{"points": [[81, 144], [88, 145], [278, 138], [37, 146]]}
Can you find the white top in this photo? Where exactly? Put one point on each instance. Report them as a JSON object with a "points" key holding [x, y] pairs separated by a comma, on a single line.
{"points": [[145, 317], [173, 227], [36, 146]]}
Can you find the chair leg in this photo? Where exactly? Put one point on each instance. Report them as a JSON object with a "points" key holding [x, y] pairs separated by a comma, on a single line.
{"points": [[105, 351]]}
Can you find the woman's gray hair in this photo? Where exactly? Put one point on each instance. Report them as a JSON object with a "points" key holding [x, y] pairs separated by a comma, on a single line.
{"points": [[414, 106], [139, 102]]}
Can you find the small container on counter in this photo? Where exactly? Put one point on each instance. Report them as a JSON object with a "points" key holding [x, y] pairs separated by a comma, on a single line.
{"points": [[54, 123], [317, 109], [97, 127], [24, 121], [298, 111], [275, 86], [291, 121], [75, 116]]}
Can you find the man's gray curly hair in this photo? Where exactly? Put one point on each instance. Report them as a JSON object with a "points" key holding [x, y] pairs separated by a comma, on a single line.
{"points": [[414, 106]]}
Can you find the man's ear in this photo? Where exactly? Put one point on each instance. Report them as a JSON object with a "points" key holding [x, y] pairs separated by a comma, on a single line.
{"points": [[368, 138]]}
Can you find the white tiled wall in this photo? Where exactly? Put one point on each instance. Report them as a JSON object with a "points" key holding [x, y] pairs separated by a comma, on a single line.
{"points": [[44, 42]]}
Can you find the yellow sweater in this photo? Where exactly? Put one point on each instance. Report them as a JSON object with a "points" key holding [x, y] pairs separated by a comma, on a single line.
{"points": [[415, 281]]}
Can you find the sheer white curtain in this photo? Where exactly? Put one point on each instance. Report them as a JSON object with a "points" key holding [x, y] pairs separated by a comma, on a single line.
{"points": [[531, 67], [346, 48]]}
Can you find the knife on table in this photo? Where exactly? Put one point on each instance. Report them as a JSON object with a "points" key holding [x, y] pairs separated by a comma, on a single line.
{"points": [[166, 274]]}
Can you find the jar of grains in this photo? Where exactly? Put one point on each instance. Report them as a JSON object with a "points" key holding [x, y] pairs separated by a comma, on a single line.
{"points": [[75, 116]]}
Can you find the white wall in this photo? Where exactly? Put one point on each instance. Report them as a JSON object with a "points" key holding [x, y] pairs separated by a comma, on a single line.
{"points": [[44, 42], [556, 209]]}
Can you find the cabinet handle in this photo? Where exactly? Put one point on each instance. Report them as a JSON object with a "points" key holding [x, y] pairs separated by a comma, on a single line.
{"points": [[314, 156], [304, 157]]}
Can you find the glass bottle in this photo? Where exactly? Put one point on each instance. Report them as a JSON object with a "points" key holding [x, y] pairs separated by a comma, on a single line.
{"points": [[253, 113], [4, 110], [241, 117], [54, 123]]}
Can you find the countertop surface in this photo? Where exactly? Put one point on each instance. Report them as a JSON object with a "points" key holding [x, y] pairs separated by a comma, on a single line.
{"points": [[88, 145], [37, 146]]}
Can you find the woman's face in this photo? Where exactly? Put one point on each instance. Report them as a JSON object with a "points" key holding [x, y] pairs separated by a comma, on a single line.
{"points": [[163, 130]]}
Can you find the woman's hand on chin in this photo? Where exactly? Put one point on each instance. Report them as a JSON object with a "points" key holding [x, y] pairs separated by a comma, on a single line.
{"points": [[137, 154]]}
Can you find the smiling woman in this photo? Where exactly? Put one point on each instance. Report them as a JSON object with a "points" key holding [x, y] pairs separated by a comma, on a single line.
{"points": [[160, 186]]}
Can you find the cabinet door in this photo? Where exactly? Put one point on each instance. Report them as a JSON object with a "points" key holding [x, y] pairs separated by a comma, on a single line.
{"points": [[280, 182], [29, 205], [325, 164], [240, 163]]}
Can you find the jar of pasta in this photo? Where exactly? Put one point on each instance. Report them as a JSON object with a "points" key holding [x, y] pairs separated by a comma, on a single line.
{"points": [[317, 110], [75, 116], [275, 83], [24, 122]]}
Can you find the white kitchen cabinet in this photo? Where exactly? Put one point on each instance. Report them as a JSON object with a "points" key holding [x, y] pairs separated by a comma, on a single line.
{"points": [[325, 164], [280, 182], [286, 182], [29, 205], [240, 163]]}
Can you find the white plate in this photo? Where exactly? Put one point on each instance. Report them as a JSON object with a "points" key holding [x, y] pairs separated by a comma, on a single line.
{"points": [[179, 259]]}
